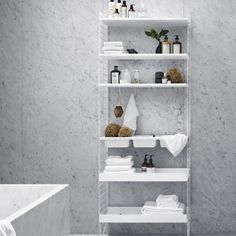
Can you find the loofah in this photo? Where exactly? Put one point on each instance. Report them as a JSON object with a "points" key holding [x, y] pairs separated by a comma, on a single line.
{"points": [[125, 132], [174, 75], [112, 130]]}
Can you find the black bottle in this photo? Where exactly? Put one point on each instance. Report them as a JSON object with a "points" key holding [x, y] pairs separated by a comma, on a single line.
{"points": [[115, 76], [144, 165], [151, 166], [176, 46]]}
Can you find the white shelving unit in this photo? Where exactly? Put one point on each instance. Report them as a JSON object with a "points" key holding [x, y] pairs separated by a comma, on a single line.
{"points": [[108, 214]]}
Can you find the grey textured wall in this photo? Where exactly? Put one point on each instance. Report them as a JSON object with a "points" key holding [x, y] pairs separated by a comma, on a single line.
{"points": [[48, 95]]}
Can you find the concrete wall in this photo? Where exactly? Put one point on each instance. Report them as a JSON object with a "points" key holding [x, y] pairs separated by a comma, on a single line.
{"points": [[48, 105]]}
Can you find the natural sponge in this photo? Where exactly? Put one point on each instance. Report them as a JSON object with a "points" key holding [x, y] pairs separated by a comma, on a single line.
{"points": [[112, 130], [175, 76], [125, 132]]}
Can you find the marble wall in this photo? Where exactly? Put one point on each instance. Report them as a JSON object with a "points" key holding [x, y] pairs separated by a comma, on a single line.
{"points": [[48, 97]]}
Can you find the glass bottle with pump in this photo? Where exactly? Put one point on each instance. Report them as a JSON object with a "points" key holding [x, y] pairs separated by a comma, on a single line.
{"points": [[145, 164], [115, 76], [119, 6], [177, 45], [166, 46], [124, 13], [132, 12], [111, 8], [150, 166]]}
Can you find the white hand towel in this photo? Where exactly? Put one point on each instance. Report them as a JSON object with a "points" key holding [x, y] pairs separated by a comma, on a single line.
{"points": [[6, 228], [113, 48], [167, 198], [118, 168], [174, 143], [131, 114], [113, 44], [151, 208], [132, 170]]}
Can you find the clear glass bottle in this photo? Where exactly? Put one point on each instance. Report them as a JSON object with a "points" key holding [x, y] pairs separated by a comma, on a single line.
{"points": [[136, 79], [116, 13]]}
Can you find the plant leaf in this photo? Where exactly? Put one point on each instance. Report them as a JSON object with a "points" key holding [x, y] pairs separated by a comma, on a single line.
{"points": [[163, 32], [149, 34]]}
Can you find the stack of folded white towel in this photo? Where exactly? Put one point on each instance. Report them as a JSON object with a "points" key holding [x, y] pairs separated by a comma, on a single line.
{"points": [[115, 47], [119, 164], [167, 204]]}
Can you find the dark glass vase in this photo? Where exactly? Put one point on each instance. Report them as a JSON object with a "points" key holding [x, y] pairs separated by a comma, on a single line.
{"points": [[158, 49]]}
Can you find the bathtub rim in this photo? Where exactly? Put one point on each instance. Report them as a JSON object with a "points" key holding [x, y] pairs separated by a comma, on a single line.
{"points": [[40, 200]]}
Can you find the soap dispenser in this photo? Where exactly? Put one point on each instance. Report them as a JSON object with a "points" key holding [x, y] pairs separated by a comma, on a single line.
{"points": [[145, 164], [150, 166], [166, 46], [177, 46]]}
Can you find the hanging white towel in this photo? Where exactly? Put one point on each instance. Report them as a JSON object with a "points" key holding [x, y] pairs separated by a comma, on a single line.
{"points": [[151, 208], [174, 143], [6, 228], [131, 114]]}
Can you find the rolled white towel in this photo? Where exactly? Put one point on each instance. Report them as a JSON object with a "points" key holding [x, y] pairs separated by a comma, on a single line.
{"points": [[151, 208]]}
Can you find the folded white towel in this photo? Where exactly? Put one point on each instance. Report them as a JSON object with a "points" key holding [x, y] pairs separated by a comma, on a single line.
{"points": [[123, 171], [113, 44], [117, 160], [6, 228], [167, 204], [174, 143], [113, 52], [113, 49], [167, 198], [118, 168], [151, 208]]}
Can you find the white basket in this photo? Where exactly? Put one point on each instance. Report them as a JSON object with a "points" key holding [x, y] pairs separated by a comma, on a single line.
{"points": [[117, 143], [144, 141]]}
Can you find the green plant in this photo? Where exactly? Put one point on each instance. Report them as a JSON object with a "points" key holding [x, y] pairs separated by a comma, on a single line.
{"points": [[155, 35]]}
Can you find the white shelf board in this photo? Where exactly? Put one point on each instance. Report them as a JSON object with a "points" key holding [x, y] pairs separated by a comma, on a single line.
{"points": [[133, 215], [144, 85], [145, 22], [144, 56], [160, 175]]}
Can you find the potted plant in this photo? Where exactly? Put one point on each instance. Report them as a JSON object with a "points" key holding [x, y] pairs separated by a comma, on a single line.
{"points": [[155, 35]]}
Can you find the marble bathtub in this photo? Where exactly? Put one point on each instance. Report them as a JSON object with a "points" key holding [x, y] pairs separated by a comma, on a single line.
{"points": [[36, 210]]}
